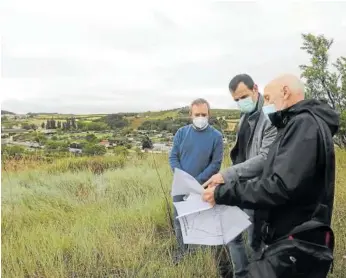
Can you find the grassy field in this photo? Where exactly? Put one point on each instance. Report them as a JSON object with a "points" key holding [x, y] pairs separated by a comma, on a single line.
{"points": [[107, 219]]}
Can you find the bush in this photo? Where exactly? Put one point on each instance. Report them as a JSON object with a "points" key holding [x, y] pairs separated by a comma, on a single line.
{"points": [[96, 165], [121, 150], [56, 146], [91, 149], [12, 152], [91, 138]]}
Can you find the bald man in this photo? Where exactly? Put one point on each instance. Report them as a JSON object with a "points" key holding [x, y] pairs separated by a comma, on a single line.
{"points": [[296, 189]]}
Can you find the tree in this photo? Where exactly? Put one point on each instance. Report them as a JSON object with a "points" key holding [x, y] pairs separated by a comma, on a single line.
{"points": [[146, 143], [68, 124], [91, 138], [59, 124], [55, 146], [26, 126], [12, 151], [76, 145], [73, 123], [96, 126], [115, 121], [126, 131], [93, 149], [43, 125], [323, 81], [40, 138], [120, 141], [121, 150], [220, 124], [53, 124]]}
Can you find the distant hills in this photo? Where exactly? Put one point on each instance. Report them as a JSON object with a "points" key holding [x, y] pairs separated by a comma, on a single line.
{"points": [[4, 112], [160, 113]]}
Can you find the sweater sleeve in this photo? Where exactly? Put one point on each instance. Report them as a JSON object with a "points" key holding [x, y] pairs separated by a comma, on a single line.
{"points": [[174, 160], [215, 164]]}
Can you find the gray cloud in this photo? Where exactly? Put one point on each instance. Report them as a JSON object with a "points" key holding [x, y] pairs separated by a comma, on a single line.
{"points": [[108, 57]]}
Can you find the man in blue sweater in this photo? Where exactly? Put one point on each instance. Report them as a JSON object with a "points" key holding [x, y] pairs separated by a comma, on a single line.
{"points": [[197, 150]]}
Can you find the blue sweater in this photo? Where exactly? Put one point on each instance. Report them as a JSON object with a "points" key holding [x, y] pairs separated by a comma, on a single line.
{"points": [[198, 153]]}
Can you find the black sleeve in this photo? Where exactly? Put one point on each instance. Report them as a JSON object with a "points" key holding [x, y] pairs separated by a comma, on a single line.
{"points": [[293, 166]]}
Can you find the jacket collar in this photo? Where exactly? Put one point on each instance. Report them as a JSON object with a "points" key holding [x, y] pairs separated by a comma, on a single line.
{"points": [[280, 118]]}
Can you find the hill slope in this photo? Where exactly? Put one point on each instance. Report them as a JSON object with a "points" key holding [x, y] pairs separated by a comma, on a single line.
{"points": [[4, 112]]}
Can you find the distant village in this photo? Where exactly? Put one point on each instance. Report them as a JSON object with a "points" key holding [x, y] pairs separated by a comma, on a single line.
{"points": [[9, 137], [95, 135]]}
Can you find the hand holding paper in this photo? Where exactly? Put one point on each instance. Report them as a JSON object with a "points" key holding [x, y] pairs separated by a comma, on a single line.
{"points": [[204, 222], [208, 196], [214, 181]]}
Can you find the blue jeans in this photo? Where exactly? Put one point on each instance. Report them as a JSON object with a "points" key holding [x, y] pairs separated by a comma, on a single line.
{"points": [[182, 248], [237, 248]]}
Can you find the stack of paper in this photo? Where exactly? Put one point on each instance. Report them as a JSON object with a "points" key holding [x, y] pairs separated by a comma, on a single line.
{"points": [[201, 223]]}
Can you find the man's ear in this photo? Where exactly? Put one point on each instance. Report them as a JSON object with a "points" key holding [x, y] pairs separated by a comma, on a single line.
{"points": [[287, 92], [255, 88]]}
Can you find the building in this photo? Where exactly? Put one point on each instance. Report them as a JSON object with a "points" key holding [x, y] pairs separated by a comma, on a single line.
{"points": [[161, 147], [74, 150], [106, 143]]}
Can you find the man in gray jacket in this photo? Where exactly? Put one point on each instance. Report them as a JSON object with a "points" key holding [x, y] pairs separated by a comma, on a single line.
{"points": [[254, 136]]}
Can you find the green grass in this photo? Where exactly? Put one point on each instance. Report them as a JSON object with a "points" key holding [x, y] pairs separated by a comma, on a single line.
{"points": [[114, 224]]}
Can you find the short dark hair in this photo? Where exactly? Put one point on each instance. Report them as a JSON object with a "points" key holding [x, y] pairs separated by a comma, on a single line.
{"points": [[245, 78]]}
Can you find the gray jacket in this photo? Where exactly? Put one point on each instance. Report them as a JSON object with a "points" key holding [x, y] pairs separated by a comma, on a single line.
{"points": [[262, 135]]}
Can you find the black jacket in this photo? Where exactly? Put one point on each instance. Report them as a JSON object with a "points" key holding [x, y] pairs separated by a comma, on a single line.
{"points": [[293, 178]]}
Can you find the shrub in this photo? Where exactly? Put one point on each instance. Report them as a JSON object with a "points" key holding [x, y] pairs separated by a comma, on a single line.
{"points": [[91, 149], [95, 165], [121, 150]]}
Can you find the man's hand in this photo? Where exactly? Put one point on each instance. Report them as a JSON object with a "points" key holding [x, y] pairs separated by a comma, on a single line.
{"points": [[214, 181], [208, 195]]}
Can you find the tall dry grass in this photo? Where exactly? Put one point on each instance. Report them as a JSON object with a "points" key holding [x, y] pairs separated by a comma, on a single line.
{"points": [[109, 223]]}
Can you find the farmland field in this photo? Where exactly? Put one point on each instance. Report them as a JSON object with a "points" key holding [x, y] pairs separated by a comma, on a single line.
{"points": [[99, 217]]}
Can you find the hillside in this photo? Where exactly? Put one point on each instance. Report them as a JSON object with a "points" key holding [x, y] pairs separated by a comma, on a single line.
{"points": [[134, 120], [185, 111], [4, 112]]}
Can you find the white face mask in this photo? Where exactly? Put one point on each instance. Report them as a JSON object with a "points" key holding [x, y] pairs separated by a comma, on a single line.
{"points": [[200, 122], [246, 105], [268, 109]]}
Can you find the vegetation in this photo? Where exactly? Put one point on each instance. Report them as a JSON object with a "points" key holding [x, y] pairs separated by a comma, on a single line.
{"points": [[172, 125], [4, 112], [86, 217], [93, 149], [12, 151], [323, 82], [146, 143]]}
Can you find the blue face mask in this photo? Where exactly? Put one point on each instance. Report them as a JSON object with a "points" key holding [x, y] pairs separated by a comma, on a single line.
{"points": [[246, 105], [268, 109]]}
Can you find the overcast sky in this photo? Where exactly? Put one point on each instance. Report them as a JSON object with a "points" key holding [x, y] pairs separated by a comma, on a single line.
{"points": [[79, 56]]}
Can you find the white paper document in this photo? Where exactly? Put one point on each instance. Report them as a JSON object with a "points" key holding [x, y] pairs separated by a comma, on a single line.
{"points": [[200, 223], [184, 184]]}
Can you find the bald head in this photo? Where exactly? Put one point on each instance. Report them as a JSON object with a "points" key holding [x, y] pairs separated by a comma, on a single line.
{"points": [[284, 91]]}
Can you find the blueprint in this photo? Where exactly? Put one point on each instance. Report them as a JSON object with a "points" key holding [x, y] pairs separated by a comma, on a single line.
{"points": [[200, 223]]}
